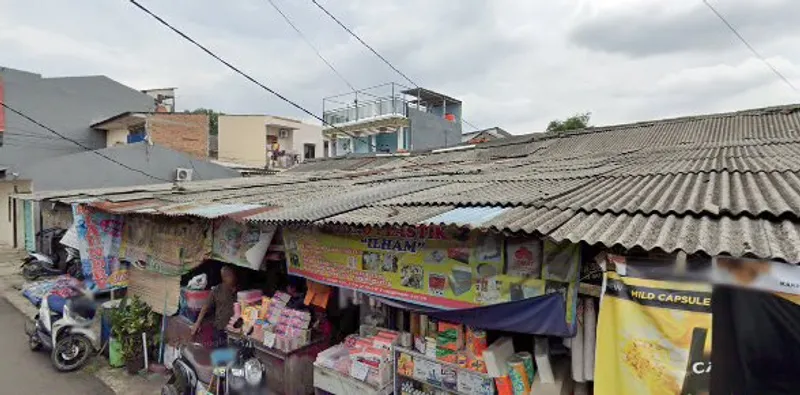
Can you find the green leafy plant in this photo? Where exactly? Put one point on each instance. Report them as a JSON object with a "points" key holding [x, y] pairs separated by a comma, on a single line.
{"points": [[132, 318]]}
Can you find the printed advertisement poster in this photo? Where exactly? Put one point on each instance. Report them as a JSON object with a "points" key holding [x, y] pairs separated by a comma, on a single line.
{"points": [[657, 333], [241, 243], [433, 266], [99, 236]]}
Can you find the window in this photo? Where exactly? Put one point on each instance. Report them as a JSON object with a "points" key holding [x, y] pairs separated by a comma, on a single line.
{"points": [[309, 150]]}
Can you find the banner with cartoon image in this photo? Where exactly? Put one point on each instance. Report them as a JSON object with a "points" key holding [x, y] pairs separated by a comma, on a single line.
{"points": [[435, 266]]}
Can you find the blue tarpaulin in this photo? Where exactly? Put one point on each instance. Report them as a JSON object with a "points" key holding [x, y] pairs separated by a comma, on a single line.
{"points": [[541, 315]]}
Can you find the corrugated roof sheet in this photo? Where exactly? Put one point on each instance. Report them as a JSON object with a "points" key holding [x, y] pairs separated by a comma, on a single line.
{"points": [[331, 205], [751, 194], [737, 237], [506, 193], [720, 184], [471, 217], [385, 215]]}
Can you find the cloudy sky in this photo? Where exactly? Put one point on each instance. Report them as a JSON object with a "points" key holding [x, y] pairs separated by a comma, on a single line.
{"points": [[515, 64]]}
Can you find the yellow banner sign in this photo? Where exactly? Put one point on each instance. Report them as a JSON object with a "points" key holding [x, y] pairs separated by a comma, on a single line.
{"points": [[653, 336], [434, 266]]}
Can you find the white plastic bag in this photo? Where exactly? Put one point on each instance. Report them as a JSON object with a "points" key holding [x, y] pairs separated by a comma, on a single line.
{"points": [[198, 283]]}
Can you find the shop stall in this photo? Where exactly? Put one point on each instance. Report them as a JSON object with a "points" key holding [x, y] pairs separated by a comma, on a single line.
{"points": [[287, 339], [452, 311]]}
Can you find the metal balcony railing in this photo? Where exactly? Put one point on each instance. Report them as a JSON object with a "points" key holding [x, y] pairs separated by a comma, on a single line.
{"points": [[372, 103]]}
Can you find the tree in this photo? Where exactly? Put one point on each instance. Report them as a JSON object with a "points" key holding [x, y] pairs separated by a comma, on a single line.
{"points": [[577, 121], [213, 118]]}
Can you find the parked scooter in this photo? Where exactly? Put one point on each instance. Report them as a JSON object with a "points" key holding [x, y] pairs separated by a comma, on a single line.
{"points": [[246, 375], [56, 259], [193, 370], [67, 334]]}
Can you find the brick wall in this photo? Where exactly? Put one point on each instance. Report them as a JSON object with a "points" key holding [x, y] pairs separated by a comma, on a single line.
{"points": [[182, 132]]}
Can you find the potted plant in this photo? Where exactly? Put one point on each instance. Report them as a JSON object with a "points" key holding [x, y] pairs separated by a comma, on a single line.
{"points": [[128, 322]]}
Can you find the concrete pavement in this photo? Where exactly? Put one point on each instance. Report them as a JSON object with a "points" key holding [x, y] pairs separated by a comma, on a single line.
{"points": [[25, 372]]}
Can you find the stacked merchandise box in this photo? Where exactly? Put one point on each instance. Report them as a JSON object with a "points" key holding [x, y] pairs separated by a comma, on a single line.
{"points": [[367, 358]]}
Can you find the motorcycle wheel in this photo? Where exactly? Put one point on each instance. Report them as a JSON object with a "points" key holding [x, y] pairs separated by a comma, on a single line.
{"points": [[169, 389], [71, 352], [30, 272]]}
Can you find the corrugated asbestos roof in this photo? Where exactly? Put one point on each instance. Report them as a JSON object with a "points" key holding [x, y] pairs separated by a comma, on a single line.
{"points": [[717, 184]]}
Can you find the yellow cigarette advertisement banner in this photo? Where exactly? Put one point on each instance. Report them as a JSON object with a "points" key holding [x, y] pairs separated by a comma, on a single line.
{"points": [[653, 336], [434, 266]]}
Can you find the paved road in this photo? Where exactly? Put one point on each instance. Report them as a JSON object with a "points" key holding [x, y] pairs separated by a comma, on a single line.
{"points": [[24, 372]]}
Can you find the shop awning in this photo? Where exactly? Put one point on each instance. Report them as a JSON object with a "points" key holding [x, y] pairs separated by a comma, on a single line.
{"points": [[541, 315]]}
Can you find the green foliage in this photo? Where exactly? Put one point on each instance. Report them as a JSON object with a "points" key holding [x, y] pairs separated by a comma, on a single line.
{"points": [[213, 119], [577, 121], [129, 321]]}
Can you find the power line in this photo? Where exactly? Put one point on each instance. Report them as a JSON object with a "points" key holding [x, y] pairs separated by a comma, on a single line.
{"points": [[369, 47], [310, 44], [225, 62], [363, 42], [750, 47], [251, 79], [112, 160]]}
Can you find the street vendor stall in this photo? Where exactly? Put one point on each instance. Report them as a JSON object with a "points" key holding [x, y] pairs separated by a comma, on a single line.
{"points": [[467, 307], [286, 337]]}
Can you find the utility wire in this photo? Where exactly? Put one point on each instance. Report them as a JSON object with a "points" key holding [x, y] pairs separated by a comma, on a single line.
{"points": [[253, 80], [78, 143], [750, 47], [352, 33], [369, 47], [225, 62], [310, 44]]}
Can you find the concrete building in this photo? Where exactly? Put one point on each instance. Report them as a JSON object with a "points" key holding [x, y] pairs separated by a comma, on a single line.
{"points": [[391, 118], [94, 115], [267, 141], [180, 131], [68, 105]]}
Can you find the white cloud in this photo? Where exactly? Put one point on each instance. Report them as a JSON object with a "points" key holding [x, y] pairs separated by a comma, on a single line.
{"points": [[515, 64]]}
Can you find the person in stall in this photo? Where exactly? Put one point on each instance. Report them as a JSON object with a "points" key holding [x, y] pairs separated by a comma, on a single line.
{"points": [[221, 301], [295, 289]]}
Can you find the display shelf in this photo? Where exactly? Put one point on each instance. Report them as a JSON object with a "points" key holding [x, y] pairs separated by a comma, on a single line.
{"points": [[438, 387], [419, 356], [338, 383]]}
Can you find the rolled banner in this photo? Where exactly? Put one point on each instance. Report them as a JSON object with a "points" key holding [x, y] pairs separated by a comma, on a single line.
{"points": [[519, 376], [527, 360]]}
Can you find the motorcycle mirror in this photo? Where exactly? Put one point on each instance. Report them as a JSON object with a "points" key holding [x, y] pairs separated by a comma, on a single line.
{"points": [[250, 332], [238, 324]]}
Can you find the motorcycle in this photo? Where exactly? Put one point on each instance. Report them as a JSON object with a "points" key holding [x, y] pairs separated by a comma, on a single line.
{"points": [[193, 370], [56, 260], [68, 333], [246, 375]]}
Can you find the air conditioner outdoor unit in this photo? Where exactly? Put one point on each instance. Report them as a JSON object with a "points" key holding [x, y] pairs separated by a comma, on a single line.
{"points": [[283, 133], [182, 174]]}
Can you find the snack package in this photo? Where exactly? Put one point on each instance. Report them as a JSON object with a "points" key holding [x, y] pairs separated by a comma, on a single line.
{"points": [[405, 365], [264, 311], [450, 336], [476, 342], [446, 355]]}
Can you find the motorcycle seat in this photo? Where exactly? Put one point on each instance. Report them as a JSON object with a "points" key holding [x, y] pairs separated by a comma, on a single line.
{"points": [[199, 358]]}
